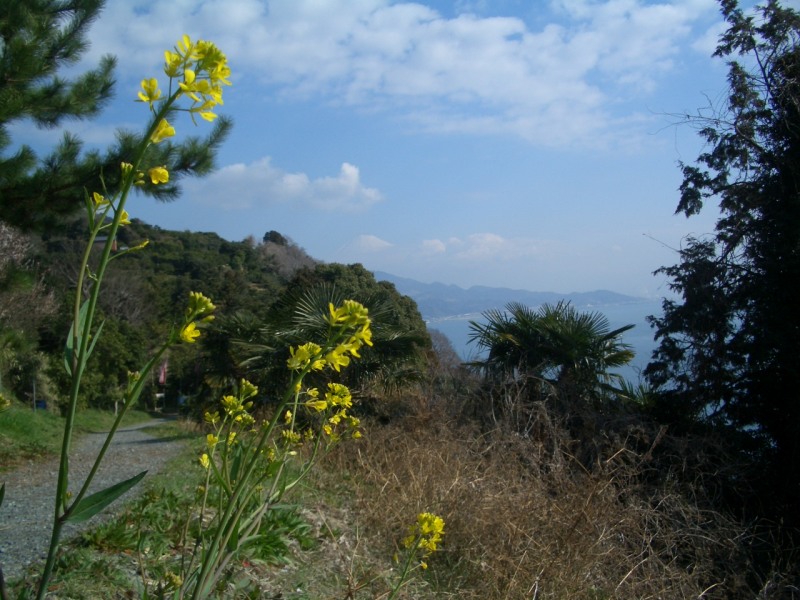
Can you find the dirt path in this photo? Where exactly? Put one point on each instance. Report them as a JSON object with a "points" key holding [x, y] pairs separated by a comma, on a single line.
{"points": [[26, 516]]}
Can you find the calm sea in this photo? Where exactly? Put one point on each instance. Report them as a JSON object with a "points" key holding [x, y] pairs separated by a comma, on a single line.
{"points": [[456, 329]]}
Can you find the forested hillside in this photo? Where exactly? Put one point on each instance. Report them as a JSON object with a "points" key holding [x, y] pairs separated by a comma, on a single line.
{"points": [[255, 286]]}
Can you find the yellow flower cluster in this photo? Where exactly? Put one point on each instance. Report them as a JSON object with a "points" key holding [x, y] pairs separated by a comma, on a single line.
{"points": [[234, 407], [201, 70], [426, 533], [338, 401], [204, 70], [351, 315], [198, 311]]}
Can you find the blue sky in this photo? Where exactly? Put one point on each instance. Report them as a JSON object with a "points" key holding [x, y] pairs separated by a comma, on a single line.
{"points": [[525, 144]]}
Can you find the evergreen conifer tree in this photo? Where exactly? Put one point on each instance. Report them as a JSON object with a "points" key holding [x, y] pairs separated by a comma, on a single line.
{"points": [[38, 38], [729, 353]]}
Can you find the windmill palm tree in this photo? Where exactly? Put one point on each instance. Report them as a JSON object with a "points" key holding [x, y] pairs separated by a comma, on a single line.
{"points": [[555, 343]]}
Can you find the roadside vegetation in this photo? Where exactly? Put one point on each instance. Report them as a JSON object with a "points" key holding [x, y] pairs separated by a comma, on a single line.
{"points": [[336, 448], [27, 435]]}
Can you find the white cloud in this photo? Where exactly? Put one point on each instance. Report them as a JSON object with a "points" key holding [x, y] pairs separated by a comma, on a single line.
{"points": [[485, 247], [242, 186], [433, 247], [554, 85], [370, 243]]}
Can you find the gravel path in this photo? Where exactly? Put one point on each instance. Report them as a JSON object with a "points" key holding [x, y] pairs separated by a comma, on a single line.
{"points": [[26, 515]]}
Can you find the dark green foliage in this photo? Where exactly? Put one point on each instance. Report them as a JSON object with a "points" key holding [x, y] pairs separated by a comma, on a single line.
{"points": [[37, 39], [145, 292], [400, 338], [557, 344], [729, 354]]}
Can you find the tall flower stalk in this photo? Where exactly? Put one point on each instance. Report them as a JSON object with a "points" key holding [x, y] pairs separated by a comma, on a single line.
{"points": [[196, 72], [248, 463]]}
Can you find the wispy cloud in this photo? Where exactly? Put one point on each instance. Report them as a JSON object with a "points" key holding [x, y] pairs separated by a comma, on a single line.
{"points": [[242, 186], [557, 84]]}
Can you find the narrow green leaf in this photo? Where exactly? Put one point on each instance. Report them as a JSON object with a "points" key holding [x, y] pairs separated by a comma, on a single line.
{"points": [[233, 541], [2, 493], [95, 337], [69, 350], [91, 505]]}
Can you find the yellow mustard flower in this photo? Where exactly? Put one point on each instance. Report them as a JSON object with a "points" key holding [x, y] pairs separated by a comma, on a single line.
{"points": [[339, 395], [350, 313], [205, 461], [163, 130], [198, 305], [337, 358], [426, 533], [189, 333], [211, 441], [125, 218], [247, 389], [231, 404], [99, 200], [318, 405], [291, 437], [140, 245], [150, 92], [306, 355], [172, 63], [158, 175]]}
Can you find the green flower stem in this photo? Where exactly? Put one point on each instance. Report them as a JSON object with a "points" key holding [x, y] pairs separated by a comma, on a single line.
{"points": [[81, 346], [222, 534], [132, 398], [412, 552]]}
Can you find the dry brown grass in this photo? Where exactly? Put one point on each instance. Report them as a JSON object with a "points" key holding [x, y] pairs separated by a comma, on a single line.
{"points": [[527, 520]]}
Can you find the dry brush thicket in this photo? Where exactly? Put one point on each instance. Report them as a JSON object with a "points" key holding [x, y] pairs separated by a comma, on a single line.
{"points": [[527, 519]]}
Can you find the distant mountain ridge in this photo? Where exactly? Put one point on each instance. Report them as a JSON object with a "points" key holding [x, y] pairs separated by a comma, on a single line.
{"points": [[437, 300]]}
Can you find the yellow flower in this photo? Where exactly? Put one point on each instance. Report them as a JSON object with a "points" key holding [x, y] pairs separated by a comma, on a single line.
{"points": [[150, 92], [337, 358], [198, 305], [305, 355], [247, 389], [231, 404], [426, 534], [124, 218], [126, 168], [158, 175], [163, 131], [350, 313], [291, 436], [287, 418], [189, 333], [99, 200], [364, 335], [339, 395], [172, 63], [211, 418], [205, 461], [318, 405], [211, 441]]}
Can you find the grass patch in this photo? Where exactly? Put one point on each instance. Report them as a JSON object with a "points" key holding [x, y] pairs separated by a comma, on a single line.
{"points": [[26, 434]]}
